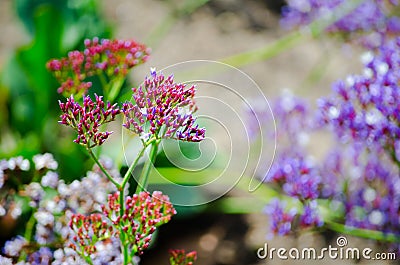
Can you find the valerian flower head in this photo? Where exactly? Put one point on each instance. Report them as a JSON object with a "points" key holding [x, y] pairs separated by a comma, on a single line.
{"points": [[143, 213], [163, 109], [88, 118], [108, 58]]}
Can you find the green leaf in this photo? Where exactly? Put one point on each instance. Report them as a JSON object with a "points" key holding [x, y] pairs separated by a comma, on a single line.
{"points": [[25, 10], [32, 60]]}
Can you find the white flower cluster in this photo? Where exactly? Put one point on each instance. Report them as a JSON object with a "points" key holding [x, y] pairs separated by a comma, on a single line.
{"points": [[53, 202], [10, 207]]}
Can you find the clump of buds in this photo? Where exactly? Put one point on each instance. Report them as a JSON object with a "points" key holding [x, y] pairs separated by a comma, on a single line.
{"points": [[142, 214], [87, 119], [180, 257], [88, 231], [163, 109], [105, 58]]}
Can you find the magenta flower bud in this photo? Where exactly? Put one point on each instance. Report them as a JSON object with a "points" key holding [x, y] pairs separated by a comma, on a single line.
{"points": [[112, 57], [166, 106], [180, 257], [88, 119], [143, 214]]}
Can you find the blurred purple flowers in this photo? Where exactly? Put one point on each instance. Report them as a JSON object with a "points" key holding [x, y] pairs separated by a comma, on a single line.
{"points": [[281, 219], [366, 107], [372, 19], [293, 172], [359, 176]]}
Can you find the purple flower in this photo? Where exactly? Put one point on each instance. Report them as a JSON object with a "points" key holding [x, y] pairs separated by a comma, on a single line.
{"points": [[310, 216], [290, 115], [87, 119], [43, 256], [373, 200], [372, 18], [109, 58], [280, 220], [365, 108], [304, 187], [162, 108], [297, 176], [332, 173], [13, 247], [35, 192]]}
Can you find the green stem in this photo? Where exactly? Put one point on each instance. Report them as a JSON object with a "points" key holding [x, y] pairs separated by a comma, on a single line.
{"points": [[124, 247], [128, 175], [364, 233], [28, 233], [114, 88], [102, 168], [29, 227], [87, 259], [142, 184], [392, 153], [103, 80], [264, 53]]}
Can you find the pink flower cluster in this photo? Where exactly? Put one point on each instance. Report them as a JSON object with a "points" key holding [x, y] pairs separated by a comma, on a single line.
{"points": [[142, 214], [108, 58], [87, 119], [89, 230], [163, 108], [180, 257]]}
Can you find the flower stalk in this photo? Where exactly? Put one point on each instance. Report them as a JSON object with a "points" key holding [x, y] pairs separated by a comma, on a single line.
{"points": [[143, 180], [160, 109]]}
